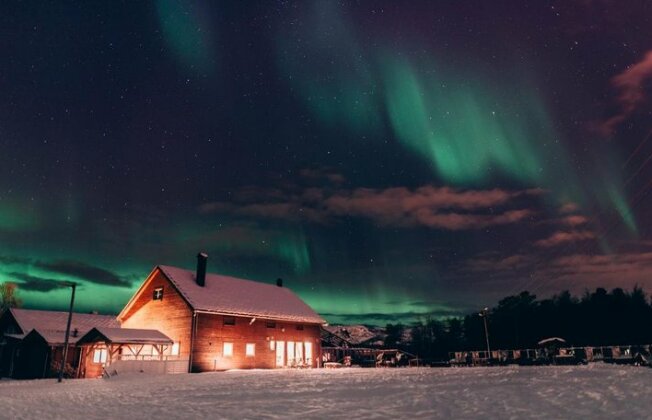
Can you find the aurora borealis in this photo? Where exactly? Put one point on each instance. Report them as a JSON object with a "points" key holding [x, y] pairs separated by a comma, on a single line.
{"points": [[389, 160]]}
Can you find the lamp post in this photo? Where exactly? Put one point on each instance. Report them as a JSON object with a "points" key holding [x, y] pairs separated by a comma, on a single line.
{"points": [[484, 313], [65, 344]]}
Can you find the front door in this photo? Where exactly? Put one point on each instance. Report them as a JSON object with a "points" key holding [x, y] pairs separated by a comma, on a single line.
{"points": [[280, 353]]}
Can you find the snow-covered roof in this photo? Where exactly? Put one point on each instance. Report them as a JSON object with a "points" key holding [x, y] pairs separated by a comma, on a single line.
{"points": [[551, 340], [233, 296], [53, 337], [54, 322], [126, 336]]}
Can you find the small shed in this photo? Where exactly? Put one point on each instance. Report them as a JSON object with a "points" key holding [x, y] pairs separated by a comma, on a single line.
{"points": [[105, 347]]}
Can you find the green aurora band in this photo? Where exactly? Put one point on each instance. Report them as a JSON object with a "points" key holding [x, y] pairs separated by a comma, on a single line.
{"points": [[182, 31], [473, 129]]}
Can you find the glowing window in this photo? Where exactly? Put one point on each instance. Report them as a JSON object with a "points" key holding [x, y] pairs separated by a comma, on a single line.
{"points": [[290, 353], [99, 356], [308, 352], [158, 294], [250, 349], [299, 352], [174, 351], [272, 345], [228, 350]]}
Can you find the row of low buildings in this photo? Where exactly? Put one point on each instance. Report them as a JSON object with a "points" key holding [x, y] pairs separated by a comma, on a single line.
{"points": [[177, 321], [556, 352]]}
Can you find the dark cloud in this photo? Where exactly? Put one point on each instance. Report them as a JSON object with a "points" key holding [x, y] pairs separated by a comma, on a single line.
{"points": [[377, 318], [34, 283], [427, 206], [85, 272], [631, 92], [561, 237]]}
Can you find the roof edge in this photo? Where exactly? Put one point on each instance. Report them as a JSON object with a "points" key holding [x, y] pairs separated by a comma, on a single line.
{"points": [[13, 315], [271, 318]]}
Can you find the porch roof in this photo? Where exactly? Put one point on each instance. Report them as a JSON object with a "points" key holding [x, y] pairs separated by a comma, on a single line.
{"points": [[124, 336]]}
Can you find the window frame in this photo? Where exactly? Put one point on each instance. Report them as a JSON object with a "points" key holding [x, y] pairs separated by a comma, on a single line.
{"points": [[156, 295], [228, 324], [252, 347], [270, 324], [229, 345], [99, 356], [175, 349]]}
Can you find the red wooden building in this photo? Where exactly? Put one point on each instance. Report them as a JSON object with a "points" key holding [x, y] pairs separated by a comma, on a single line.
{"points": [[219, 322], [32, 341]]}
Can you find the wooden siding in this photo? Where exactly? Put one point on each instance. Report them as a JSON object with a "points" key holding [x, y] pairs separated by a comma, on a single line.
{"points": [[89, 369], [212, 334], [171, 315]]}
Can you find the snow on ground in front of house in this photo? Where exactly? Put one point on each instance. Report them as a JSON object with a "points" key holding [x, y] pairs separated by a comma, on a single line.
{"points": [[597, 390]]}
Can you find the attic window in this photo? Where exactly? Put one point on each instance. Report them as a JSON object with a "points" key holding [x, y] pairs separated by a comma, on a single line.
{"points": [[300, 327], [158, 293], [270, 324], [229, 320]]}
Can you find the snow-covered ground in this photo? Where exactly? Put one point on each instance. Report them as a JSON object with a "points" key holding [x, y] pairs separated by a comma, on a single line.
{"points": [[598, 391]]}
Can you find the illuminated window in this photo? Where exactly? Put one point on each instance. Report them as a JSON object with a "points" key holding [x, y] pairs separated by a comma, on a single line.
{"points": [[250, 350], [158, 293], [229, 320], [290, 353], [299, 352], [99, 356], [272, 345], [270, 324], [308, 352], [174, 351], [228, 350]]}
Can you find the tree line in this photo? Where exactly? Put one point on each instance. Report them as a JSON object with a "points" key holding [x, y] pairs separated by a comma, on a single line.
{"points": [[597, 318], [8, 297]]}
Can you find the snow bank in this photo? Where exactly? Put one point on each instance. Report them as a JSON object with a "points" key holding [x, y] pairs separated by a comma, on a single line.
{"points": [[598, 391]]}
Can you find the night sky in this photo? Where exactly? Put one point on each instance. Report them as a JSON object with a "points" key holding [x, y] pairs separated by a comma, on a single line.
{"points": [[389, 160]]}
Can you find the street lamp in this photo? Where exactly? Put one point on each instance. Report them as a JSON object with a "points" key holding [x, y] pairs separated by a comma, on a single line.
{"points": [[65, 344], [484, 314]]}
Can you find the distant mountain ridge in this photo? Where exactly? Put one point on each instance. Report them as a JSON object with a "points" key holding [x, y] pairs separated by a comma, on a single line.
{"points": [[360, 335]]}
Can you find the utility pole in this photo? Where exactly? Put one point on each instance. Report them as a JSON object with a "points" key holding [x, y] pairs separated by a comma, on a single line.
{"points": [[65, 345], [484, 313]]}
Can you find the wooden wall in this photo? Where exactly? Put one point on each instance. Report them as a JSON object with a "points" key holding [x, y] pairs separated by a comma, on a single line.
{"points": [[172, 316], [212, 333]]}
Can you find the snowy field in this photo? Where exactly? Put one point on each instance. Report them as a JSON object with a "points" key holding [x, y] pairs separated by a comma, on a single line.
{"points": [[599, 391]]}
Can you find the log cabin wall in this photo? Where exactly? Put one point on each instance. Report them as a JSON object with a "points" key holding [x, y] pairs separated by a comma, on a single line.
{"points": [[212, 333], [171, 315]]}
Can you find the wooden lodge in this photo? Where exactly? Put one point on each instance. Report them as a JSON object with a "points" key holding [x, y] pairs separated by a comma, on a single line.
{"points": [[177, 321], [219, 322]]}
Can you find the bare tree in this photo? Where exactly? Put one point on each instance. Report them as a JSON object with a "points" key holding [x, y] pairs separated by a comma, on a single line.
{"points": [[8, 297]]}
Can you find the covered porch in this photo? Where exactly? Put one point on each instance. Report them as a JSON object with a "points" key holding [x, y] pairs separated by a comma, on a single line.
{"points": [[111, 351]]}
